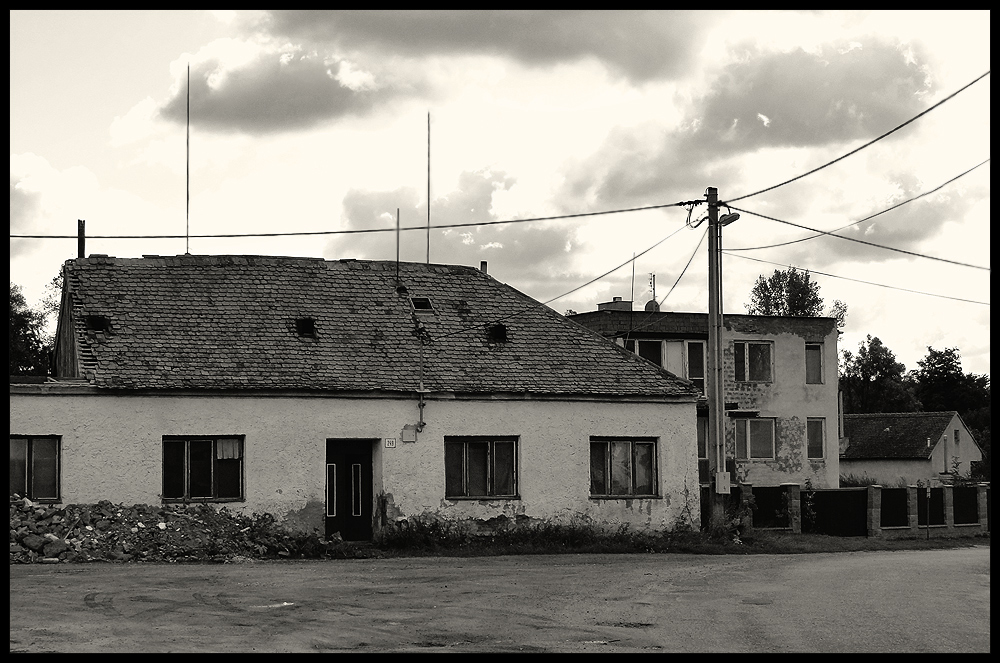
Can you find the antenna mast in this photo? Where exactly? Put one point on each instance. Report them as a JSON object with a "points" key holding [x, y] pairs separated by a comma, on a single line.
{"points": [[187, 184], [428, 187]]}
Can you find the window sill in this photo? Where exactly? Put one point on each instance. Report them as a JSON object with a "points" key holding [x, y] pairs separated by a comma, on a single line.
{"points": [[625, 497], [202, 500]]}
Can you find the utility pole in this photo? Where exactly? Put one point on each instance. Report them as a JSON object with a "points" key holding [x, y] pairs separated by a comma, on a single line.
{"points": [[716, 389]]}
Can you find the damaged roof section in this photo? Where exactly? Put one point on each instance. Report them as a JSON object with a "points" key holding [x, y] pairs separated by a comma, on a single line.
{"points": [[238, 322]]}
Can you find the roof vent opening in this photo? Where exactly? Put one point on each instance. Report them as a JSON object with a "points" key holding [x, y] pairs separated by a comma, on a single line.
{"points": [[98, 323], [421, 304], [497, 333], [305, 327]]}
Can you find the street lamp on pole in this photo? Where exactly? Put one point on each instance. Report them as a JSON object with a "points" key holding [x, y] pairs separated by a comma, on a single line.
{"points": [[716, 392]]}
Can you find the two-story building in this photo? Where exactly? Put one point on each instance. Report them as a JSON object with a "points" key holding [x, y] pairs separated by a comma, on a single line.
{"points": [[780, 392]]}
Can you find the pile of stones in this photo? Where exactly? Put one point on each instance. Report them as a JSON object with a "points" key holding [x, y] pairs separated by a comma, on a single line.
{"points": [[43, 533]]}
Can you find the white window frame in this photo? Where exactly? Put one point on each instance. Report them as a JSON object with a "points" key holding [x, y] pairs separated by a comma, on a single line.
{"points": [[744, 425], [822, 442], [746, 361], [633, 442], [822, 367]]}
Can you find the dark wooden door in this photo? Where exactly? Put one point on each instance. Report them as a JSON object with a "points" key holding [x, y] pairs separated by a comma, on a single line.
{"points": [[349, 489]]}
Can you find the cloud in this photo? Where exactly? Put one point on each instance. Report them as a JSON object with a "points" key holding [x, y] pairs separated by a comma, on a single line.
{"points": [[638, 45], [262, 88], [765, 100], [532, 254]]}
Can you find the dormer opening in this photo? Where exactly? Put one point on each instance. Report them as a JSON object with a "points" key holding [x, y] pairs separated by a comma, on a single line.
{"points": [[98, 323], [497, 333], [421, 304], [305, 327]]}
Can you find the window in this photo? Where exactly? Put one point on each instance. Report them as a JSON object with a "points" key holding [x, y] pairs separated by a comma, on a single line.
{"points": [[305, 327], [815, 434], [480, 467], [703, 465], [814, 363], [34, 467], [752, 361], [754, 438], [649, 350], [203, 468], [622, 467], [421, 304], [696, 363]]}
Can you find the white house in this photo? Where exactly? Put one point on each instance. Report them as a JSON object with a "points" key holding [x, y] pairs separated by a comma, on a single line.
{"points": [[344, 395]]}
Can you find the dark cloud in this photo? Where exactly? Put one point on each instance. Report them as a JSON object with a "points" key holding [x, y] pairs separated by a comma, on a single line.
{"points": [[803, 99], [272, 92], [525, 255], [640, 45], [765, 100]]}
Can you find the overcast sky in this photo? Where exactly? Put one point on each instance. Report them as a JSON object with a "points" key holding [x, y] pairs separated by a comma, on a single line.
{"points": [[308, 121]]}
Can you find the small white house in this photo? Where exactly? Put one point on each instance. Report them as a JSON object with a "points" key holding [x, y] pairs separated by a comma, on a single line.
{"points": [[901, 448], [344, 395]]}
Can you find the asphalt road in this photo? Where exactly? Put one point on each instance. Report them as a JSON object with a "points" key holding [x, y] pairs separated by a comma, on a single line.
{"points": [[911, 601]]}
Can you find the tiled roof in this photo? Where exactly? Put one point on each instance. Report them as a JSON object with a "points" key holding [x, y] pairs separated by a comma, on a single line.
{"points": [[694, 325], [894, 435], [230, 322]]}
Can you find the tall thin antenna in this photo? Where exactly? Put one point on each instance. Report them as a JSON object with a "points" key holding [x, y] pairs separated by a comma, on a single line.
{"points": [[187, 211], [397, 246], [428, 187]]}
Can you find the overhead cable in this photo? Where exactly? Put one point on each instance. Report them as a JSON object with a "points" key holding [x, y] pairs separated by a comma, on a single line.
{"points": [[867, 218], [861, 241], [846, 278], [368, 230], [869, 143]]}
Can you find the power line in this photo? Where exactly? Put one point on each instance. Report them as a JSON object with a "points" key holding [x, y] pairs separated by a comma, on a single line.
{"points": [[861, 241], [369, 230], [846, 278], [871, 142], [867, 218], [569, 292]]}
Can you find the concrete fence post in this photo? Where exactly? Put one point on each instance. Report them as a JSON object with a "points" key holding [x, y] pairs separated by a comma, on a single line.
{"points": [[912, 510], [793, 496], [746, 496], [949, 508], [874, 511], [984, 523]]}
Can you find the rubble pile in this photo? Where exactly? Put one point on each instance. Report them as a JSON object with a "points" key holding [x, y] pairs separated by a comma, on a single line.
{"points": [[42, 533]]}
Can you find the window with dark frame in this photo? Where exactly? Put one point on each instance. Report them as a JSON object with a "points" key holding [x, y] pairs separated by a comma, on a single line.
{"points": [[203, 468], [623, 467], [814, 363], [34, 467], [752, 361], [696, 363], [815, 435], [480, 467], [305, 327], [649, 350], [754, 438]]}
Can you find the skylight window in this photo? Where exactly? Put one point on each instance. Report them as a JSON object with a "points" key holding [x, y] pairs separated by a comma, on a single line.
{"points": [[421, 304]]}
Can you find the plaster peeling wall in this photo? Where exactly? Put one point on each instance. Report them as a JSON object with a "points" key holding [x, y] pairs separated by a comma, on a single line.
{"points": [[112, 449], [788, 400]]}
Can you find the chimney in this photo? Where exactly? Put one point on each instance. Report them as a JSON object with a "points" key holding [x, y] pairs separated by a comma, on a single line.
{"points": [[615, 305], [482, 266]]}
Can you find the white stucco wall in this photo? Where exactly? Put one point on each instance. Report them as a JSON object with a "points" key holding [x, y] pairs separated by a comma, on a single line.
{"points": [[892, 471], [111, 449]]}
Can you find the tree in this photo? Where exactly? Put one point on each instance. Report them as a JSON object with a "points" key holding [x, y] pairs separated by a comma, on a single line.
{"points": [[28, 354], [941, 386], [791, 292], [873, 381]]}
